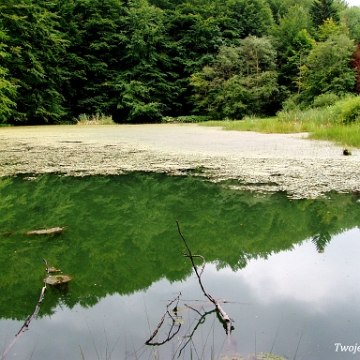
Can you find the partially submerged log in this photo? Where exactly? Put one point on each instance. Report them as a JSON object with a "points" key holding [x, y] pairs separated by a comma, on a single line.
{"points": [[54, 230], [57, 279]]}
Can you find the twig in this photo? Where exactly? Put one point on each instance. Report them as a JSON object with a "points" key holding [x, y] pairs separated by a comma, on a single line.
{"points": [[224, 316], [170, 336], [200, 321], [29, 319]]}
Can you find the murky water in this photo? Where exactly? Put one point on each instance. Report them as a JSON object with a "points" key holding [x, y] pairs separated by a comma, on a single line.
{"points": [[289, 270]]}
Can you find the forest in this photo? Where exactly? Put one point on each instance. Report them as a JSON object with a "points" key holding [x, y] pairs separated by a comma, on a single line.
{"points": [[141, 61]]}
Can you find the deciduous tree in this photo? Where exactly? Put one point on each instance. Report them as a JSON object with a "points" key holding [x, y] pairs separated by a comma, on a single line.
{"points": [[327, 68]]}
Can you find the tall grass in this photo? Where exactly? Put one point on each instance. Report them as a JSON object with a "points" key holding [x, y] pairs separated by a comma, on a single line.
{"points": [[325, 123], [94, 119], [267, 125], [345, 135]]}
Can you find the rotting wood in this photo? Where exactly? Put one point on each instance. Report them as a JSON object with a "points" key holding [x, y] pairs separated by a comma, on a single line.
{"points": [[54, 230], [55, 279]]}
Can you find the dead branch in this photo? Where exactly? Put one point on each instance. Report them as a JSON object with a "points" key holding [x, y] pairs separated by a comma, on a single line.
{"points": [[224, 316], [54, 230], [170, 334], [200, 321], [29, 319]]}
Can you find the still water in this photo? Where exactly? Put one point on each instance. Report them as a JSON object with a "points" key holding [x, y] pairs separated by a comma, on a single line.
{"points": [[288, 269]]}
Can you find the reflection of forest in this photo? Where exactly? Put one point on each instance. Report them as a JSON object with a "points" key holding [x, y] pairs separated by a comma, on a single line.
{"points": [[121, 234]]}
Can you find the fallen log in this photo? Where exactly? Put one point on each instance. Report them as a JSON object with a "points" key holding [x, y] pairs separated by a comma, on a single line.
{"points": [[54, 230]]}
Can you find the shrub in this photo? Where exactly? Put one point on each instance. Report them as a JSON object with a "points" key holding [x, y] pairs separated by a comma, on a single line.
{"points": [[351, 110], [326, 99]]}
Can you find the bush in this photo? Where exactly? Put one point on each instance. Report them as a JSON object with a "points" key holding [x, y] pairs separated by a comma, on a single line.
{"points": [[351, 110], [292, 103], [326, 99]]}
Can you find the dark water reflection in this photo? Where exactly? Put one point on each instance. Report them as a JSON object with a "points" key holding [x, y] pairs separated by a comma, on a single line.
{"points": [[290, 267]]}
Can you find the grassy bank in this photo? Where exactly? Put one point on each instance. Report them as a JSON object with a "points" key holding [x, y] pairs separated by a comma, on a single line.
{"points": [[339, 123]]}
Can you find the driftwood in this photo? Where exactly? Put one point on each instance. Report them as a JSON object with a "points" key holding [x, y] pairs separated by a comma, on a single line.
{"points": [[54, 230], [56, 279], [224, 316]]}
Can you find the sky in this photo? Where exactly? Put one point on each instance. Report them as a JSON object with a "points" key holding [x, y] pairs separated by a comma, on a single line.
{"points": [[353, 2]]}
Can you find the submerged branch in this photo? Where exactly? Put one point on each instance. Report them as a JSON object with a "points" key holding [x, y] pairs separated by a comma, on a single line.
{"points": [[200, 321], [169, 336], [59, 280], [30, 318], [224, 316]]}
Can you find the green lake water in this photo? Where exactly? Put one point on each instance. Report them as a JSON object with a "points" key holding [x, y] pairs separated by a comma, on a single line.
{"points": [[289, 269]]}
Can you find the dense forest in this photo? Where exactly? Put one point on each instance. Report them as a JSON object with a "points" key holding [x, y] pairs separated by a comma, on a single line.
{"points": [[143, 60]]}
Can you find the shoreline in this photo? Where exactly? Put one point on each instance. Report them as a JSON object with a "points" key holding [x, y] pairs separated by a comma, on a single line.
{"points": [[244, 160]]}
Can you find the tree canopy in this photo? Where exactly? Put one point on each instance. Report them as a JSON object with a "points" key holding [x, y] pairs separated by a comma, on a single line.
{"points": [[141, 60]]}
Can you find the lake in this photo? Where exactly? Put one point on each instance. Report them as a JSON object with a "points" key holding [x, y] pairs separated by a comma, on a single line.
{"points": [[288, 270]]}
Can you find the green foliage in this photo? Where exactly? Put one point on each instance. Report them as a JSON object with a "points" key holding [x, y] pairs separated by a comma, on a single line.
{"points": [[330, 28], [341, 134], [243, 18], [7, 88], [355, 64], [326, 99], [36, 49], [146, 86], [140, 60], [293, 42], [241, 80], [337, 122], [327, 68], [351, 110], [351, 18], [322, 10]]}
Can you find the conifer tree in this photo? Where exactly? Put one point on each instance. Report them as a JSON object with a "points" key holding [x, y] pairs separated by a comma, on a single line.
{"points": [[7, 88], [35, 62], [322, 10]]}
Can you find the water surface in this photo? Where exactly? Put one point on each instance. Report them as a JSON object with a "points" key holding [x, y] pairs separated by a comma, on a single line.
{"points": [[289, 269]]}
